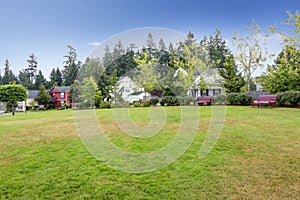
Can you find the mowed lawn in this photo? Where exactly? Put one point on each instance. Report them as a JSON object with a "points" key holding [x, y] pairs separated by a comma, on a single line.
{"points": [[256, 157]]}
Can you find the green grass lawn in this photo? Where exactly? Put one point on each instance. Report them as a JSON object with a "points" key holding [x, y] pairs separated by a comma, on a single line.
{"points": [[256, 157]]}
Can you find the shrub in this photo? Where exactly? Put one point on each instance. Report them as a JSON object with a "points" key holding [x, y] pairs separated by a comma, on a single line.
{"points": [[116, 105], [154, 101], [169, 101], [239, 99], [65, 106], [136, 104], [244, 99], [219, 99], [105, 104], [146, 104], [232, 98], [289, 97], [186, 100]]}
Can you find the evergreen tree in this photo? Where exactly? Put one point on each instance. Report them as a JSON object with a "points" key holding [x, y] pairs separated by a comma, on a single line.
{"points": [[71, 67], [284, 75], [217, 49], [107, 58], [43, 98], [31, 68], [39, 80], [24, 79], [150, 47], [58, 78], [232, 79], [8, 76]]}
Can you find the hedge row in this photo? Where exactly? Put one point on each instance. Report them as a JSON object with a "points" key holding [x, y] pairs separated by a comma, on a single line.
{"points": [[288, 98], [233, 99]]}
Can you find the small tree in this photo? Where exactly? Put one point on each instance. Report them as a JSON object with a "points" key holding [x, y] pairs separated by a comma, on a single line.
{"points": [[12, 94], [43, 98], [249, 53]]}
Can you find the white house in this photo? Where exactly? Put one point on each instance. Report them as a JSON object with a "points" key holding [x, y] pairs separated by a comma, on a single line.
{"points": [[128, 86], [2, 107], [210, 78], [22, 105], [139, 96]]}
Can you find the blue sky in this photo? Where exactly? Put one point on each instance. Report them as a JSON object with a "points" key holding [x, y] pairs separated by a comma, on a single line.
{"points": [[45, 28]]}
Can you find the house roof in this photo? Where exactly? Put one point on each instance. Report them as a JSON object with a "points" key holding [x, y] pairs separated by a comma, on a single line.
{"points": [[32, 93], [62, 88], [140, 92]]}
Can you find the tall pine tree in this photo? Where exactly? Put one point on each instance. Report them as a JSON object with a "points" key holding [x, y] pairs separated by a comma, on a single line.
{"points": [[71, 67]]}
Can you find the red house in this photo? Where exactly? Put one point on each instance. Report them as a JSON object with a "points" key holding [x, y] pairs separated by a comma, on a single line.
{"points": [[60, 95]]}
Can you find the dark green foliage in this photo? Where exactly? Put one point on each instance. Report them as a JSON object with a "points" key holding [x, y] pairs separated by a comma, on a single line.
{"points": [[43, 98], [219, 99], [11, 94], [169, 101], [39, 80], [233, 80], [154, 101], [239, 99], [8, 76], [105, 104], [32, 68], [288, 98], [71, 67], [284, 75], [55, 78], [186, 100]]}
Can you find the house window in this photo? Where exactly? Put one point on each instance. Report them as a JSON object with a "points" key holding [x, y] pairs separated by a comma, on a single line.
{"points": [[62, 95], [62, 102]]}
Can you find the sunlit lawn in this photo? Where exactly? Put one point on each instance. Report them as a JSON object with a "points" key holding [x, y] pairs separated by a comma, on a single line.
{"points": [[256, 157]]}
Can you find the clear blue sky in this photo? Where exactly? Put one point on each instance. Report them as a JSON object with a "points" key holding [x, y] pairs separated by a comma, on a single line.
{"points": [[45, 28]]}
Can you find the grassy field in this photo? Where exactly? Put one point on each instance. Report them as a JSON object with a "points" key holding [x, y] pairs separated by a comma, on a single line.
{"points": [[256, 157]]}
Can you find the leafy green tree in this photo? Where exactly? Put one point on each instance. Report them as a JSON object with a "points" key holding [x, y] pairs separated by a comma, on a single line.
{"points": [[31, 69], [232, 79], [8, 76], [87, 91], [71, 67], [107, 58], [284, 75], [249, 52], [144, 74], [12, 94], [92, 67], [43, 98]]}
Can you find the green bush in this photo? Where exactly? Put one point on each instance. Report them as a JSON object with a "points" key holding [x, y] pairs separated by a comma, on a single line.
{"points": [[239, 99], [65, 106], [146, 104], [154, 101], [105, 104], [233, 98], [186, 100], [116, 105], [169, 101], [244, 99], [219, 99], [136, 104], [288, 98]]}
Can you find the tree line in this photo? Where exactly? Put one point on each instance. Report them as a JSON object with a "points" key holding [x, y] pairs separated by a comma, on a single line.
{"points": [[236, 68]]}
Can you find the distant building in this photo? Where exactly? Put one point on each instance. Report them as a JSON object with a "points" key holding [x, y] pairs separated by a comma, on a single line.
{"points": [[139, 96], [127, 86], [60, 95], [23, 105]]}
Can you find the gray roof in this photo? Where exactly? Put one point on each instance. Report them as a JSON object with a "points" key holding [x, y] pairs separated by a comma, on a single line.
{"points": [[137, 93], [62, 88], [32, 93]]}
